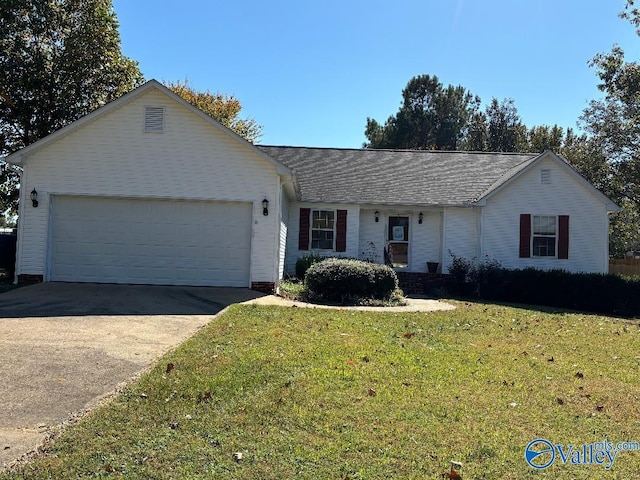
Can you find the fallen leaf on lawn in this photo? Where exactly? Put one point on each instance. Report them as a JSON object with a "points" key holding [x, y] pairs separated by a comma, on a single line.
{"points": [[372, 392], [408, 334]]}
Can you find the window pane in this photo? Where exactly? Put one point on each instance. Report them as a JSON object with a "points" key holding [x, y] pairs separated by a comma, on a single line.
{"points": [[322, 219], [399, 228], [544, 246], [399, 254], [544, 225], [322, 239]]}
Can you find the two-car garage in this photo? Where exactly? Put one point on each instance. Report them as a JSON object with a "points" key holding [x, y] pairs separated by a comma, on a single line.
{"points": [[149, 241], [150, 190]]}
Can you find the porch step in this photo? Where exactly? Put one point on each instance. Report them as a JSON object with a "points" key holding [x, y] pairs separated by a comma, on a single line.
{"points": [[420, 283]]}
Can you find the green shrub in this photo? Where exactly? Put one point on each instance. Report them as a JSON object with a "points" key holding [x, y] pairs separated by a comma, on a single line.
{"points": [[292, 290], [339, 279], [471, 277], [592, 292], [303, 264]]}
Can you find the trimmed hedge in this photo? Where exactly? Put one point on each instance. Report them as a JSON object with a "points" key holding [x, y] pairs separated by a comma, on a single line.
{"points": [[592, 292], [339, 278]]}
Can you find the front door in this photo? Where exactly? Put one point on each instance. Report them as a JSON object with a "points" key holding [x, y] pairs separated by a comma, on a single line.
{"points": [[398, 241]]}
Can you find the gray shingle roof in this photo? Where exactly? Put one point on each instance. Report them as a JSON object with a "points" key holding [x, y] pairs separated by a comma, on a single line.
{"points": [[396, 177]]}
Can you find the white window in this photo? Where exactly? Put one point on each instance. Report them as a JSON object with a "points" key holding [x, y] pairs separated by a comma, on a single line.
{"points": [[544, 238], [323, 229]]}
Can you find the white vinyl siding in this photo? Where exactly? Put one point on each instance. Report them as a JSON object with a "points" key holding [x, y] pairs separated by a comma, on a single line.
{"points": [[565, 195], [111, 156], [371, 242], [460, 234], [284, 222]]}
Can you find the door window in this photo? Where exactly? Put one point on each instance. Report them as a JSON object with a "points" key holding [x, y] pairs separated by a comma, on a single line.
{"points": [[398, 241]]}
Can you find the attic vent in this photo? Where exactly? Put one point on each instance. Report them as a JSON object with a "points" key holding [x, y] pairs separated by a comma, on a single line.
{"points": [[154, 119], [545, 176]]}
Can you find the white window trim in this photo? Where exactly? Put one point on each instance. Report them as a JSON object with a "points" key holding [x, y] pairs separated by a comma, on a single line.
{"points": [[540, 235], [334, 230]]}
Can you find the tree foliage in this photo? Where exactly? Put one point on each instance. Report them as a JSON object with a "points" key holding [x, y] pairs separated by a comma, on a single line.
{"points": [[59, 60], [431, 117], [506, 132], [224, 108], [449, 118], [613, 125]]}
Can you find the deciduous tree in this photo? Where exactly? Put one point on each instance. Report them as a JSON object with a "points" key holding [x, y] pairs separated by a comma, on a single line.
{"points": [[613, 124], [224, 108], [59, 60]]}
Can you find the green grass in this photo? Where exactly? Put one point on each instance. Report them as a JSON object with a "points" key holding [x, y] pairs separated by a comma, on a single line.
{"points": [[327, 394]]}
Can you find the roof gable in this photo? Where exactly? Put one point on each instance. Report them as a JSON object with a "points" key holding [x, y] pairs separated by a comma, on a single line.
{"points": [[509, 176], [19, 157]]}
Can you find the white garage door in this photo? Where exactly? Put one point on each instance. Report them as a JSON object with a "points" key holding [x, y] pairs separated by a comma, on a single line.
{"points": [[158, 242]]}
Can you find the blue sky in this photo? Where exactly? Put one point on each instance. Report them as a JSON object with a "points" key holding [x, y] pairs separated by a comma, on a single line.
{"points": [[311, 72]]}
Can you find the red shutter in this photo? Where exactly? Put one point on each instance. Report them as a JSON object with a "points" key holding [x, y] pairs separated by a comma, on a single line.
{"points": [[303, 234], [563, 237], [525, 235], [341, 231]]}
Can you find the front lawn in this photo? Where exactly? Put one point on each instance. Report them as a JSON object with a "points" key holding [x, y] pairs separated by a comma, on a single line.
{"points": [[279, 393]]}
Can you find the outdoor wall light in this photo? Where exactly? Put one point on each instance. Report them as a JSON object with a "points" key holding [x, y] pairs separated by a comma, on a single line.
{"points": [[377, 214], [265, 207], [34, 198], [420, 217]]}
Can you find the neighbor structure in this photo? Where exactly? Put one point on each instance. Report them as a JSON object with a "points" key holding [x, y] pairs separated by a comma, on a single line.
{"points": [[149, 189]]}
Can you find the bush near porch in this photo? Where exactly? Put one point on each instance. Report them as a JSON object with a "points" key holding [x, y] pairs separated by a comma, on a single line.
{"points": [[337, 279]]}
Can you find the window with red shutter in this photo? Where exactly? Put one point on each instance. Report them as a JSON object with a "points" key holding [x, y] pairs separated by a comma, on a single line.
{"points": [[303, 233], [525, 235], [563, 237], [341, 231]]}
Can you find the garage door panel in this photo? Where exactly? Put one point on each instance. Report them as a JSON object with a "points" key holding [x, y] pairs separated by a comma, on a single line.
{"points": [[150, 241]]}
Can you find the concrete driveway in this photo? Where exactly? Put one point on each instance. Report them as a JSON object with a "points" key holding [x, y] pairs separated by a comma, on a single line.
{"points": [[65, 346]]}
